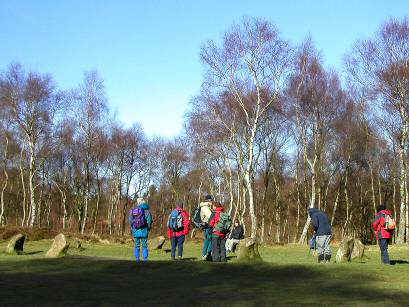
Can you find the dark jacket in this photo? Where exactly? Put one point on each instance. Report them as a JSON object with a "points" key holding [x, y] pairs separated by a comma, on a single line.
{"points": [[237, 233], [379, 225], [143, 232], [320, 222]]}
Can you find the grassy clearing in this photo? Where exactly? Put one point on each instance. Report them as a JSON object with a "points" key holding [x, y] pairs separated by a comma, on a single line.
{"points": [[106, 275]]}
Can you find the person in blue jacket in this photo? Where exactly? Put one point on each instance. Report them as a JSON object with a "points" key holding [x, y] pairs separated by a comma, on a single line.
{"points": [[141, 221], [323, 232]]}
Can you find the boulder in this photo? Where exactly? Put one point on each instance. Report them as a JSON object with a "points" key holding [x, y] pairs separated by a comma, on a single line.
{"points": [[104, 241], [248, 250], [59, 247], [16, 244], [157, 243], [345, 250], [358, 250], [77, 243]]}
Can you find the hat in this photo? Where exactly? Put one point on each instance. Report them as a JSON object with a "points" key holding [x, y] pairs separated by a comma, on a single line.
{"points": [[208, 197]]}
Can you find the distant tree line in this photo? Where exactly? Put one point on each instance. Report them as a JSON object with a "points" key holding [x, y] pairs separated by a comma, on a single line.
{"points": [[271, 133]]}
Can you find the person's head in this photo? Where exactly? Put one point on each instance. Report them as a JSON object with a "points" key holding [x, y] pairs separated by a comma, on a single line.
{"points": [[208, 197], [380, 207], [179, 204], [140, 200], [216, 205], [236, 223]]}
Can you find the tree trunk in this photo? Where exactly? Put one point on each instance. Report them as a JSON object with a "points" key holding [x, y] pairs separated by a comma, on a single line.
{"points": [[303, 238], [97, 204], [278, 208], [334, 210], [87, 195], [403, 205], [23, 186], [32, 169], [6, 175], [297, 224], [372, 187]]}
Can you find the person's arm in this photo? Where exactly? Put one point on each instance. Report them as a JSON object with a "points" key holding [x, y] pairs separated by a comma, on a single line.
{"points": [[376, 223], [149, 219], [130, 218], [241, 233], [186, 223], [212, 220], [315, 223], [131, 221]]}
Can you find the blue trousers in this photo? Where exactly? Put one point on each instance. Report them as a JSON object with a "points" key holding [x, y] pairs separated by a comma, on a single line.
{"points": [[145, 252], [207, 245], [177, 241], [383, 245]]}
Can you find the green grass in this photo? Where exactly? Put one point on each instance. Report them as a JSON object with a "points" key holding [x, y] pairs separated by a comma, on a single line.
{"points": [[106, 275]]}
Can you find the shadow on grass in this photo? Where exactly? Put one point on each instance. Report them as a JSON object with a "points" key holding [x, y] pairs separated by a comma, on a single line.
{"points": [[393, 262], [188, 259], [93, 282], [33, 253]]}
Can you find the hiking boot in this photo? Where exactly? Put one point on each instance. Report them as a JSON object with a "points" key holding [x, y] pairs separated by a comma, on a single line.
{"points": [[173, 258], [179, 257], [320, 258], [204, 257], [327, 258]]}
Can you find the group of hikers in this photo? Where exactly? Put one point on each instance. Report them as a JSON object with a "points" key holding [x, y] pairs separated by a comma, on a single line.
{"points": [[383, 226], [221, 237]]}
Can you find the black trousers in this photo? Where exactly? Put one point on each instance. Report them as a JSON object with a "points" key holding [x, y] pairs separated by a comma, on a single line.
{"points": [[218, 249]]}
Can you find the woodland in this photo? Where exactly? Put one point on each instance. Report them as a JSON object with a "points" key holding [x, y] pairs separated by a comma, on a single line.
{"points": [[272, 132]]}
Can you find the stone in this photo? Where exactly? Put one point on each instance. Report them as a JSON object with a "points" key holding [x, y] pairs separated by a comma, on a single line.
{"points": [[104, 241], [77, 243], [358, 250], [16, 244], [345, 250], [59, 247], [248, 250], [157, 243]]}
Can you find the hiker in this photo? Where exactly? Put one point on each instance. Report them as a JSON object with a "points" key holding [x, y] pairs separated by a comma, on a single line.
{"points": [[322, 229], [383, 231], [220, 223], [141, 221], [236, 235], [178, 228], [205, 212]]}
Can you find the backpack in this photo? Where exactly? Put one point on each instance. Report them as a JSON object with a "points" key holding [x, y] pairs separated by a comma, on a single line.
{"points": [[138, 218], [197, 220], [175, 222], [390, 223], [224, 223]]}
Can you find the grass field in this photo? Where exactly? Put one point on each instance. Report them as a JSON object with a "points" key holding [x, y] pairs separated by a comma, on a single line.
{"points": [[106, 275]]}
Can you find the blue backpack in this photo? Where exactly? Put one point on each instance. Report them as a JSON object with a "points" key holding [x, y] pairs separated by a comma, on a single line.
{"points": [[175, 222]]}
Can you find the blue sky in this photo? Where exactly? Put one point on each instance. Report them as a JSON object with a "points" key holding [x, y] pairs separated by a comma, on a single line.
{"points": [[148, 51]]}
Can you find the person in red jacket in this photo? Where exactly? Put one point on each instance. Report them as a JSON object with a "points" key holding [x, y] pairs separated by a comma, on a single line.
{"points": [[177, 231], [382, 235], [218, 238]]}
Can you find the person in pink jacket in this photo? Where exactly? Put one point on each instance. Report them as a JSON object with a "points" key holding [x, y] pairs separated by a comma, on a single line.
{"points": [[178, 228]]}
